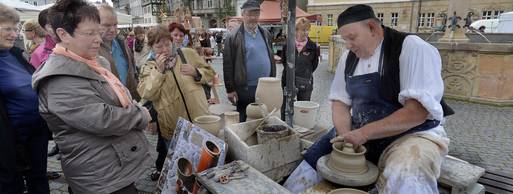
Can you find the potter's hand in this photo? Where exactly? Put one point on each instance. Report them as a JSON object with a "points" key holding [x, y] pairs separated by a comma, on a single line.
{"points": [[188, 69], [355, 137], [232, 97]]}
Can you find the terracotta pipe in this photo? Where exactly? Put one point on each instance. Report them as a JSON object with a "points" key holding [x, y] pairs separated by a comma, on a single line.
{"points": [[209, 156], [185, 173]]}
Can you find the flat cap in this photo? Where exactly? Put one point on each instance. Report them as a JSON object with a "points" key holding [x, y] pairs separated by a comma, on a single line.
{"points": [[355, 13], [251, 5]]}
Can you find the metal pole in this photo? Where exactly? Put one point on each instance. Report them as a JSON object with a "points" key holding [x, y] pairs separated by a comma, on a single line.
{"points": [[290, 90]]}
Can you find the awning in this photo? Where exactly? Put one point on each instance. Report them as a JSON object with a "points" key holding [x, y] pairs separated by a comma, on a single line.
{"points": [[270, 12]]}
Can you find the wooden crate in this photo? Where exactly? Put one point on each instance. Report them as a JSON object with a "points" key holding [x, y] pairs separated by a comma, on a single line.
{"points": [[276, 159]]}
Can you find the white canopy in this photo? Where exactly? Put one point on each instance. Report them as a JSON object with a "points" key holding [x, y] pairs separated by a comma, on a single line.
{"points": [[25, 10], [505, 23], [28, 11]]}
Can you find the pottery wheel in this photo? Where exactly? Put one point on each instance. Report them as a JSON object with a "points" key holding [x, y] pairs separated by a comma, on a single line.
{"points": [[344, 178]]}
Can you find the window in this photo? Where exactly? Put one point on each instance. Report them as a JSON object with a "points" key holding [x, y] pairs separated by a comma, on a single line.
{"points": [[330, 20], [422, 18], [380, 17], [486, 15], [193, 4], [426, 19], [209, 3], [496, 14], [200, 4], [394, 18], [430, 20]]}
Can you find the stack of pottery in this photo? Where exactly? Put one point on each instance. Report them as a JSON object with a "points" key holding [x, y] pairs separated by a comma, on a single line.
{"points": [[270, 93], [231, 117], [347, 166], [210, 123], [255, 111]]}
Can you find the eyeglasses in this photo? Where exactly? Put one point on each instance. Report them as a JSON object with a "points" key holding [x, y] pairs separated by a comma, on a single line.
{"points": [[10, 29], [89, 34]]}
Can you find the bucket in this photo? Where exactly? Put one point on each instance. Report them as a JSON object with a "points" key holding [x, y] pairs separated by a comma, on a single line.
{"points": [[305, 113]]}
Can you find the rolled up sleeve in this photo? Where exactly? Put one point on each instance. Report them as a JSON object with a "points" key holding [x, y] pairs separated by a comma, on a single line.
{"points": [[421, 75]]}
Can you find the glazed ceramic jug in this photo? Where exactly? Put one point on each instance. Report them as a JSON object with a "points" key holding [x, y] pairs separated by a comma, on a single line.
{"points": [[256, 111], [270, 93]]}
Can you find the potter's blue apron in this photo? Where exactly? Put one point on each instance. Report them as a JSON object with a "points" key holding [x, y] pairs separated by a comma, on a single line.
{"points": [[367, 106]]}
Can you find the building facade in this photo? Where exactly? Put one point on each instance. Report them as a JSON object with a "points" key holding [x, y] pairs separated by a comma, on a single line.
{"points": [[410, 15], [212, 12]]}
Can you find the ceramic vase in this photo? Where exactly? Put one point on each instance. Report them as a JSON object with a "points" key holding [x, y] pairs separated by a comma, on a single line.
{"points": [[270, 93], [211, 123], [255, 111], [209, 156], [345, 159]]}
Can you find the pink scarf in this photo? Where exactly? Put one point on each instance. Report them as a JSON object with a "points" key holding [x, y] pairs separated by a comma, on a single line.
{"points": [[300, 45], [113, 81]]}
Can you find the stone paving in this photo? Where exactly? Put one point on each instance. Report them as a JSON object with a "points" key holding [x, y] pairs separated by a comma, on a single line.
{"points": [[480, 134]]}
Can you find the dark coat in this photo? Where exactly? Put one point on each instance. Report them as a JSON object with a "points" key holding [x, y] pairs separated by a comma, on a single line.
{"points": [[234, 64], [306, 61], [8, 161]]}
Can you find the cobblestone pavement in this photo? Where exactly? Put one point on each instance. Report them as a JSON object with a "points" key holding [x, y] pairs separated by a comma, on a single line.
{"points": [[480, 134]]}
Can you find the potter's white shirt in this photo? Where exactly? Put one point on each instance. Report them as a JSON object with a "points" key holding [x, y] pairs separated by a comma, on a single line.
{"points": [[420, 77]]}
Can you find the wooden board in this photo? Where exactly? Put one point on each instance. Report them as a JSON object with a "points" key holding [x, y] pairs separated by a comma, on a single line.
{"points": [[254, 183], [497, 182]]}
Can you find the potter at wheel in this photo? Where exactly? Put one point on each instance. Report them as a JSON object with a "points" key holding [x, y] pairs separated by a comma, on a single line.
{"points": [[348, 167]]}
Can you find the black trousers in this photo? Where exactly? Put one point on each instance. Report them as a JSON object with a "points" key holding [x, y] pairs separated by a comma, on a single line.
{"points": [[245, 96]]}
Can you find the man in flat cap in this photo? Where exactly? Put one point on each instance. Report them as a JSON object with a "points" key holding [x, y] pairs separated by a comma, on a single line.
{"points": [[247, 56], [387, 96]]}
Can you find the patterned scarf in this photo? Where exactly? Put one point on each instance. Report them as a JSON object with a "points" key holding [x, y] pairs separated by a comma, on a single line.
{"points": [[113, 81]]}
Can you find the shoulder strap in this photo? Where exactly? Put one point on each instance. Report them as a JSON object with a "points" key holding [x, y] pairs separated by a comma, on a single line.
{"points": [[351, 62], [184, 61]]}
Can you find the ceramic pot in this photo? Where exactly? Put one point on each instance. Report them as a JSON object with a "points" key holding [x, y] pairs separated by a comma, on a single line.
{"points": [[209, 155], [270, 132], [185, 173], [347, 191], [256, 111], [231, 117], [211, 123], [345, 159], [270, 93]]}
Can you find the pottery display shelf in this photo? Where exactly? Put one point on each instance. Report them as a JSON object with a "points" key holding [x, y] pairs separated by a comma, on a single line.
{"points": [[346, 166]]}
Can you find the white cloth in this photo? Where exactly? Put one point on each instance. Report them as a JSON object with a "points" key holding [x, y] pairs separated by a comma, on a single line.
{"points": [[420, 77]]}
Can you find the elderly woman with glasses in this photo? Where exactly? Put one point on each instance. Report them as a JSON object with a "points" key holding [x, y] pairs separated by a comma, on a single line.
{"points": [[33, 33], [97, 125], [23, 133]]}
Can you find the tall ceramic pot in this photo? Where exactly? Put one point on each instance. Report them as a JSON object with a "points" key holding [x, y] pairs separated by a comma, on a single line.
{"points": [[209, 156], [270, 93]]}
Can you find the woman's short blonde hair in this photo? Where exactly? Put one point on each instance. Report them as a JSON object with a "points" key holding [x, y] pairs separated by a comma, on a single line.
{"points": [[303, 24], [8, 14], [33, 25]]}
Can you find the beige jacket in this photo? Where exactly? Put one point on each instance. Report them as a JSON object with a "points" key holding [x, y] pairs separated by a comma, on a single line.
{"points": [[102, 144], [162, 90]]}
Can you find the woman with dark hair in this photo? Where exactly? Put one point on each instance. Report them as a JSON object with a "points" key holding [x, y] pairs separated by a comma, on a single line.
{"points": [[141, 49], [23, 133], [173, 86], [98, 127]]}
